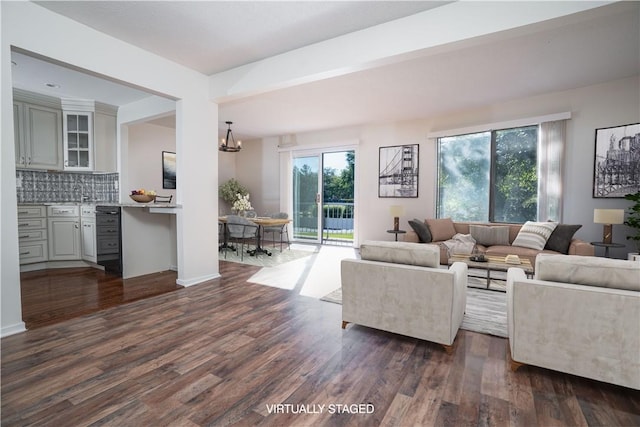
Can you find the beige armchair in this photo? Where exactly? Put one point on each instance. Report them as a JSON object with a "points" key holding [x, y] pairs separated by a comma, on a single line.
{"points": [[579, 315], [398, 287]]}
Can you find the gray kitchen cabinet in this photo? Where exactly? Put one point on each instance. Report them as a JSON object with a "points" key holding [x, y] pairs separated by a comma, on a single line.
{"points": [[38, 136], [32, 233], [63, 226], [104, 130], [77, 130], [88, 226]]}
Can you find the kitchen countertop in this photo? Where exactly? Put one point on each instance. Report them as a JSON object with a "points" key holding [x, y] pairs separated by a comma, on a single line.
{"points": [[124, 205]]}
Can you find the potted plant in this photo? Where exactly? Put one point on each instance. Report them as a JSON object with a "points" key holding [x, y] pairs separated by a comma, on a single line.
{"points": [[229, 191], [633, 220]]}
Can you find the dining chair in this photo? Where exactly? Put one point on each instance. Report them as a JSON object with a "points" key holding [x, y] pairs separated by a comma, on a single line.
{"points": [[279, 229], [240, 231]]}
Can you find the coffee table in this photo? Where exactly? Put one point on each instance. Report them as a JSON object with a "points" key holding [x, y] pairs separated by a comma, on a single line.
{"points": [[493, 263]]}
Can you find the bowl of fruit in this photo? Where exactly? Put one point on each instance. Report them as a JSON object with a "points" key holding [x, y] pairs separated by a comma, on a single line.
{"points": [[143, 196]]}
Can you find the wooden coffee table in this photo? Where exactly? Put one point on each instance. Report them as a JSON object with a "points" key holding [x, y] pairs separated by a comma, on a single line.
{"points": [[492, 264]]}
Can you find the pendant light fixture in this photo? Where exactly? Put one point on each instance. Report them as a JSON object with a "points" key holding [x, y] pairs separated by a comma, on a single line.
{"points": [[229, 143]]}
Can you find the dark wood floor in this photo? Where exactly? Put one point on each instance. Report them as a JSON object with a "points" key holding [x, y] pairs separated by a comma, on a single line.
{"points": [[224, 352], [51, 296]]}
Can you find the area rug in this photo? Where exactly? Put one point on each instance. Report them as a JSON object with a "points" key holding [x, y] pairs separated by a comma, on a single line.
{"points": [[263, 260], [486, 311]]}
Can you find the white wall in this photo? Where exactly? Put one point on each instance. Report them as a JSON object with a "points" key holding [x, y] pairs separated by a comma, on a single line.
{"points": [[264, 159], [196, 120], [608, 104], [146, 144]]}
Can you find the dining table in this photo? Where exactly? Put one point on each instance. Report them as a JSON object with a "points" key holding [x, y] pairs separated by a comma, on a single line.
{"points": [[261, 222]]}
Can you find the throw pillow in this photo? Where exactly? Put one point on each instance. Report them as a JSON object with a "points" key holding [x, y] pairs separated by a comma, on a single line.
{"points": [[441, 229], [561, 237], [421, 230], [534, 235], [490, 235]]}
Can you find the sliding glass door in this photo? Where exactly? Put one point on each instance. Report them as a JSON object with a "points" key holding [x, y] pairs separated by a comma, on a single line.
{"points": [[306, 198], [323, 197]]}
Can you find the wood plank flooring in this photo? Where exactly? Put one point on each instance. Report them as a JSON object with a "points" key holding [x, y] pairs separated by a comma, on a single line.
{"points": [[229, 352], [51, 296]]}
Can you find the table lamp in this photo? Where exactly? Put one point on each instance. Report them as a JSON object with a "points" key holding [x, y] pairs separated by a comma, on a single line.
{"points": [[396, 213], [608, 217]]}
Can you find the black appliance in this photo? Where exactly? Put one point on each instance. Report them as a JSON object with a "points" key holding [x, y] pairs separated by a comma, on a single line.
{"points": [[109, 238]]}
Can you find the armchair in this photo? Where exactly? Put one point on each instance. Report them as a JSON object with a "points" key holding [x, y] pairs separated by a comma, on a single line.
{"points": [[398, 287]]}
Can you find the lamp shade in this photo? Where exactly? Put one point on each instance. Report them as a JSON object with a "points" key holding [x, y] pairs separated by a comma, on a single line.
{"points": [[396, 210], [608, 216]]}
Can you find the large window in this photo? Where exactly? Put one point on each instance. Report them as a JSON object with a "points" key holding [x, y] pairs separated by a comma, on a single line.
{"points": [[489, 176]]}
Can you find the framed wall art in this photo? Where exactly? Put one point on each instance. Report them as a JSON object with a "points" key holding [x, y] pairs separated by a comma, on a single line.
{"points": [[616, 169], [398, 171], [168, 170]]}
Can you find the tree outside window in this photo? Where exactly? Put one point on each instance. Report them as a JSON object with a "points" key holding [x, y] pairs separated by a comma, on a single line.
{"points": [[488, 176]]}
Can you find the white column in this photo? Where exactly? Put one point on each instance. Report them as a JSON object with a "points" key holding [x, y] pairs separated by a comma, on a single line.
{"points": [[197, 189], [11, 318]]}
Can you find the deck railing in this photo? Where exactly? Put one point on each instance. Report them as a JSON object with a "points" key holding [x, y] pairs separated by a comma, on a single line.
{"points": [[337, 224]]}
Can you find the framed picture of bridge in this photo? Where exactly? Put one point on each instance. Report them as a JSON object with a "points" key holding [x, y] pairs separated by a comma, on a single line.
{"points": [[398, 171], [616, 169]]}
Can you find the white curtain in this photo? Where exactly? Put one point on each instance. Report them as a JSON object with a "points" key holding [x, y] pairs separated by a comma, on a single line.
{"points": [[550, 170]]}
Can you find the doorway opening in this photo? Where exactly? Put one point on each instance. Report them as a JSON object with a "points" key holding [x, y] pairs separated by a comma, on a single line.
{"points": [[324, 203]]}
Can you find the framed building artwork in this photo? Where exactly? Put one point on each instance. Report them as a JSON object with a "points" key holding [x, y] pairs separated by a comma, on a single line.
{"points": [[168, 170], [398, 171], [616, 169]]}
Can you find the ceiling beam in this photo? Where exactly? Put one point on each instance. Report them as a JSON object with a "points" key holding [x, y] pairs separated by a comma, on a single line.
{"points": [[448, 27]]}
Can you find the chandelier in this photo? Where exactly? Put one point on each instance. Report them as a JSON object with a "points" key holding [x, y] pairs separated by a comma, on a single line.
{"points": [[229, 143]]}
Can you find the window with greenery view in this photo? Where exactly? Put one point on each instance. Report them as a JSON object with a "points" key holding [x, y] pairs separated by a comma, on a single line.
{"points": [[489, 176]]}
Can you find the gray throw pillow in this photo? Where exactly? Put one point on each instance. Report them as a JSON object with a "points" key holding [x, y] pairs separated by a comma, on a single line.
{"points": [[561, 237], [487, 235], [421, 230]]}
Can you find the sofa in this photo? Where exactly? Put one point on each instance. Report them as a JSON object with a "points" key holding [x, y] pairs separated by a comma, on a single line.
{"points": [[578, 315], [399, 287], [496, 239]]}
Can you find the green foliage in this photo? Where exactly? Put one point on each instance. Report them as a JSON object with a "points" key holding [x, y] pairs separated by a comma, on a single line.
{"points": [[339, 187], [633, 218], [229, 190], [466, 174]]}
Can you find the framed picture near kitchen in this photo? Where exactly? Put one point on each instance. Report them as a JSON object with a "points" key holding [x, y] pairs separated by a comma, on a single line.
{"points": [[168, 170]]}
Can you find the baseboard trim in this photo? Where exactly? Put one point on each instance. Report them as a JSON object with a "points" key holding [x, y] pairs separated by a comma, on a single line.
{"points": [[59, 264], [190, 282], [13, 329]]}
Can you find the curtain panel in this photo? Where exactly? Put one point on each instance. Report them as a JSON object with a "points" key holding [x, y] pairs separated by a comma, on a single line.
{"points": [[551, 150]]}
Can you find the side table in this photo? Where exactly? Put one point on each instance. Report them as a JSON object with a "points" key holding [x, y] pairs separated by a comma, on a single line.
{"points": [[396, 232], [606, 247]]}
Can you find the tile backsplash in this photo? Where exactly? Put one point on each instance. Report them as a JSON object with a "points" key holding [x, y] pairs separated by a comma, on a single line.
{"points": [[43, 186]]}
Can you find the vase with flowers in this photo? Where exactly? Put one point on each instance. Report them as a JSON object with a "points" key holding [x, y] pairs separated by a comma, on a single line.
{"points": [[242, 204]]}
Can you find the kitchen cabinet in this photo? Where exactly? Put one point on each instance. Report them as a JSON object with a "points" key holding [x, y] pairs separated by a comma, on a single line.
{"points": [[77, 131], [37, 136], [32, 233], [88, 233], [63, 226], [104, 130]]}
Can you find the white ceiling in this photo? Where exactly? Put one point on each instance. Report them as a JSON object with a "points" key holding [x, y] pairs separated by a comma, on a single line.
{"points": [[215, 36]]}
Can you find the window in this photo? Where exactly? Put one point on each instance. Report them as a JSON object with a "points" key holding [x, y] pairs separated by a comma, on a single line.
{"points": [[489, 176]]}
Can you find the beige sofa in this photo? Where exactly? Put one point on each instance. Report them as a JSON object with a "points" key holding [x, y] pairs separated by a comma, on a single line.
{"points": [[576, 247], [579, 315], [398, 287]]}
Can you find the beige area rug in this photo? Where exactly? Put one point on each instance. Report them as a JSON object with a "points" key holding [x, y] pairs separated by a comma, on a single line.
{"points": [[263, 260], [486, 310]]}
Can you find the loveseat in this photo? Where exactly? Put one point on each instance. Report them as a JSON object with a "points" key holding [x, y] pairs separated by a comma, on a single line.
{"points": [[496, 239], [399, 287], [579, 315]]}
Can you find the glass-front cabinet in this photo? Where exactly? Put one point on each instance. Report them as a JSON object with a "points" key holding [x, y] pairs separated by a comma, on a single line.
{"points": [[78, 140]]}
